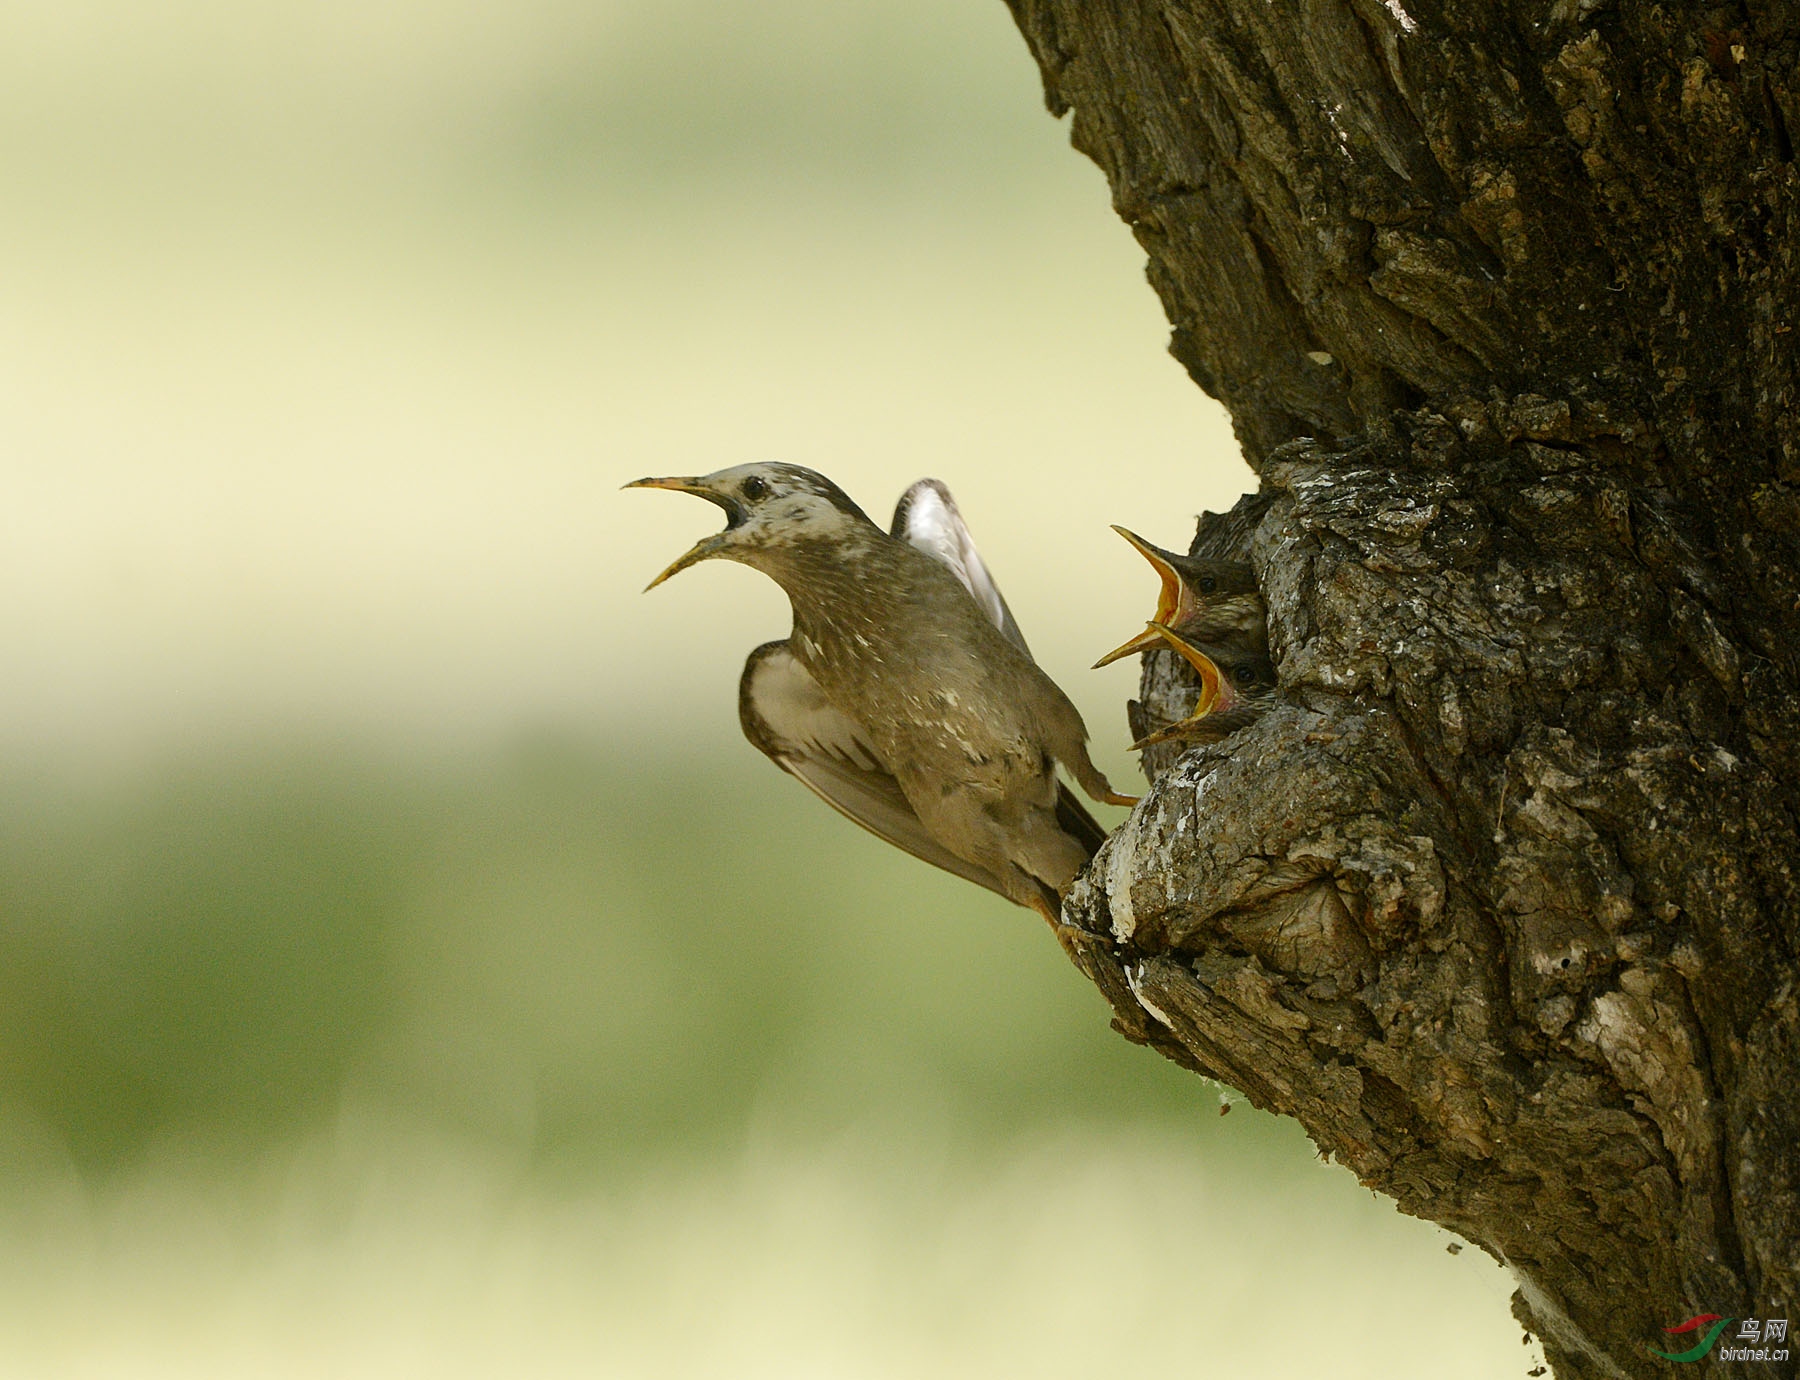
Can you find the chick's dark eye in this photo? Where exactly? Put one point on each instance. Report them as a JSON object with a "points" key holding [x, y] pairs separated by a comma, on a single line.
{"points": [[1246, 674], [1208, 584], [755, 488]]}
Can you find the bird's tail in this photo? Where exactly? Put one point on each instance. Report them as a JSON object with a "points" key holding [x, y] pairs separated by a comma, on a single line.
{"points": [[1077, 823]]}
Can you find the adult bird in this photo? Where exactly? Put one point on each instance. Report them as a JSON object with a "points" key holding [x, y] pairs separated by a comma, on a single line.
{"points": [[905, 697]]}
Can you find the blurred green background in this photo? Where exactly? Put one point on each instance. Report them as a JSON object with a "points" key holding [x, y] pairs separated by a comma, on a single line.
{"points": [[405, 967]]}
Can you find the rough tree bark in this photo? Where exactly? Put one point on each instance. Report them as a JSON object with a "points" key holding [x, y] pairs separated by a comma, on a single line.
{"points": [[1501, 904]]}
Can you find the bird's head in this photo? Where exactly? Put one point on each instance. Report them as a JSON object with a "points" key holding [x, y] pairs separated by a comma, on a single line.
{"points": [[1237, 685], [768, 507], [1190, 586]]}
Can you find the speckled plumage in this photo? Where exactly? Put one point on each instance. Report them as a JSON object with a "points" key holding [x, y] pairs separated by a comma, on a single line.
{"points": [[935, 729]]}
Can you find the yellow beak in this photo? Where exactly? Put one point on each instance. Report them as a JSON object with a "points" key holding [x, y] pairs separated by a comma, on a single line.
{"points": [[1216, 693], [1168, 600], [1148, 640], [706, 546]]}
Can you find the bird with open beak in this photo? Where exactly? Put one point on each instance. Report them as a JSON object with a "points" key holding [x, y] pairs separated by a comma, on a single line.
{"points": [[905, 697], [1237, 685], [1212, 615], [1202, 600]]}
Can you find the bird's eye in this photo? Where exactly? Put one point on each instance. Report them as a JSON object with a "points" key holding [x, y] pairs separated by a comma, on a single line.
{"points": [[1246, 673], [1208, 584], [755, 487]]}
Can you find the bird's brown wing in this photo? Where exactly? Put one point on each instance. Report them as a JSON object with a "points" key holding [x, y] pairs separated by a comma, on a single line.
{"points": [[786, 716], [927, 517]]}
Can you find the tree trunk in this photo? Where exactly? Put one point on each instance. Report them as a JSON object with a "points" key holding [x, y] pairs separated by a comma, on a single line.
{"points": [[1501, 903]]}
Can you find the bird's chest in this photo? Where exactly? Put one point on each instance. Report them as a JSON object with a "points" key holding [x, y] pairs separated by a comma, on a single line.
{"points": [[922, 700]]}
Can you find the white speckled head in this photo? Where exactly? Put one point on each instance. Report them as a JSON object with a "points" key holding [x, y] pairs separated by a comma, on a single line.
{"points": [[768, 506]]}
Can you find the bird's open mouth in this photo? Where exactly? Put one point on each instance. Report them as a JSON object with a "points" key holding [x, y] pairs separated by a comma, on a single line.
{"points": [[735, 516], [1168, 601]]}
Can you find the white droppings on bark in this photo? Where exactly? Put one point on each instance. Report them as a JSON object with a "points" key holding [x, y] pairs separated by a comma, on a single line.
{"points": [[1134, 977]]}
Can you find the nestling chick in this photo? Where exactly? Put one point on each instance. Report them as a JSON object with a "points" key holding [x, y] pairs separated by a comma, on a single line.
{"points": [[1237, 685], [1201, 599], [905, 697]]}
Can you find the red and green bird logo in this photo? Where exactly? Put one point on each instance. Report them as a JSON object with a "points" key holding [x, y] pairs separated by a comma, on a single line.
{"points": [[1714, 1325]]}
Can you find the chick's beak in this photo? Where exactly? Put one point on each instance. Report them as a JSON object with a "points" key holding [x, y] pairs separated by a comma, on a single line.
{"points": [[1216, 693], [1148, 640], [1168, 600], [706, 546]]}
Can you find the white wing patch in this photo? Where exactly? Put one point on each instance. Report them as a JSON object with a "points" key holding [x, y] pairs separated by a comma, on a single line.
{"points": [[927, 517], [798, 716], [786, 716]]}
